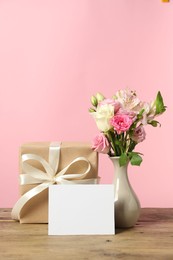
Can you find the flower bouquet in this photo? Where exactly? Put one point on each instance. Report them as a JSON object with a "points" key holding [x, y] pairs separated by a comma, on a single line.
{"points": [[121, 121]]}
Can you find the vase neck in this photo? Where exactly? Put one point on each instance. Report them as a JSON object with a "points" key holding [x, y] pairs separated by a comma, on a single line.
{"points": [[120, 172], [115, 161]]}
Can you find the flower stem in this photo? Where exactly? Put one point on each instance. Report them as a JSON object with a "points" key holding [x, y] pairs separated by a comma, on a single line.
{"points": [[111, 137]]}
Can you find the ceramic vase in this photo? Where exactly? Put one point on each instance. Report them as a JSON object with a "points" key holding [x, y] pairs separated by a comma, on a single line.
{"points": [[127, 205]]}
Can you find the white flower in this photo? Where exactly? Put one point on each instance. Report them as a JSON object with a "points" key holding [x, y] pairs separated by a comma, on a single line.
{"points": [[149, 111], [127, 98], [102, 117]]}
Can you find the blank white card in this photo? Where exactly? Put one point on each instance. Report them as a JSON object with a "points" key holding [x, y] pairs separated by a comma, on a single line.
{"points": [[81, 209]]}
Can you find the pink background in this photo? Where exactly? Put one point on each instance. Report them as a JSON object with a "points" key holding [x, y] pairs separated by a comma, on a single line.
{"points": [[55, 54]]}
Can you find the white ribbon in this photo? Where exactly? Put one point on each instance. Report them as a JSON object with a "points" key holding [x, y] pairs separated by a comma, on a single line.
{"points": [[33, 175]]}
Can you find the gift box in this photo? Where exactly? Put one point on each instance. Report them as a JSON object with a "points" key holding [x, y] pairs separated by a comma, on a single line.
{"points": [[42, 164]]}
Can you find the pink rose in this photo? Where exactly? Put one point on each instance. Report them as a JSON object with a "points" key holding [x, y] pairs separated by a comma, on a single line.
{"points": [[139, 134], [121, 123], [109, 101], [101, 144]]}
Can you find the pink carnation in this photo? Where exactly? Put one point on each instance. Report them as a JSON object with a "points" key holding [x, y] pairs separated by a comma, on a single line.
{"points": [[101, 144], [139, 134], [109, 101], [121, 123]]}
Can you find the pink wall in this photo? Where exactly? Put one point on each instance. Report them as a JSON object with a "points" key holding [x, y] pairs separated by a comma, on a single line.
{"points": [[55, 54]]}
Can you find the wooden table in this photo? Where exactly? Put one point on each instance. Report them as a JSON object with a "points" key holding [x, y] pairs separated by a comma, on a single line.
{"points": [[151, 238]]}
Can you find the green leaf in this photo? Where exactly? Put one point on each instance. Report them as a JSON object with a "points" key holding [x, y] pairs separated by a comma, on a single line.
{"points": [[154, 123], [141, 112], [160, 107], [123, 159], [136, 159]]}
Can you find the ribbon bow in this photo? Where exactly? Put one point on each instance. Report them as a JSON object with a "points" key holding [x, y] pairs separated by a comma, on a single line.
{"points": [[44, 179]]}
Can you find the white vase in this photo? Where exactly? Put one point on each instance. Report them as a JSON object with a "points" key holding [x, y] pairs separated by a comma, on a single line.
{"points": [[127, 205]]}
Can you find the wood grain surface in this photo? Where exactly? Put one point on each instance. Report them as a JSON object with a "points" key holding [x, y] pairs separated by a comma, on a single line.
{"points": [[151, 238]]}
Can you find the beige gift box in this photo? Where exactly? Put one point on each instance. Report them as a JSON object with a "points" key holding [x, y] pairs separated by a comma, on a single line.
{"points": [[35, 209]]}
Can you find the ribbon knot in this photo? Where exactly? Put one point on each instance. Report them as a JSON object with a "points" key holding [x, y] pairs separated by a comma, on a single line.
{"points": [[56, 180], [50, 175]]}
